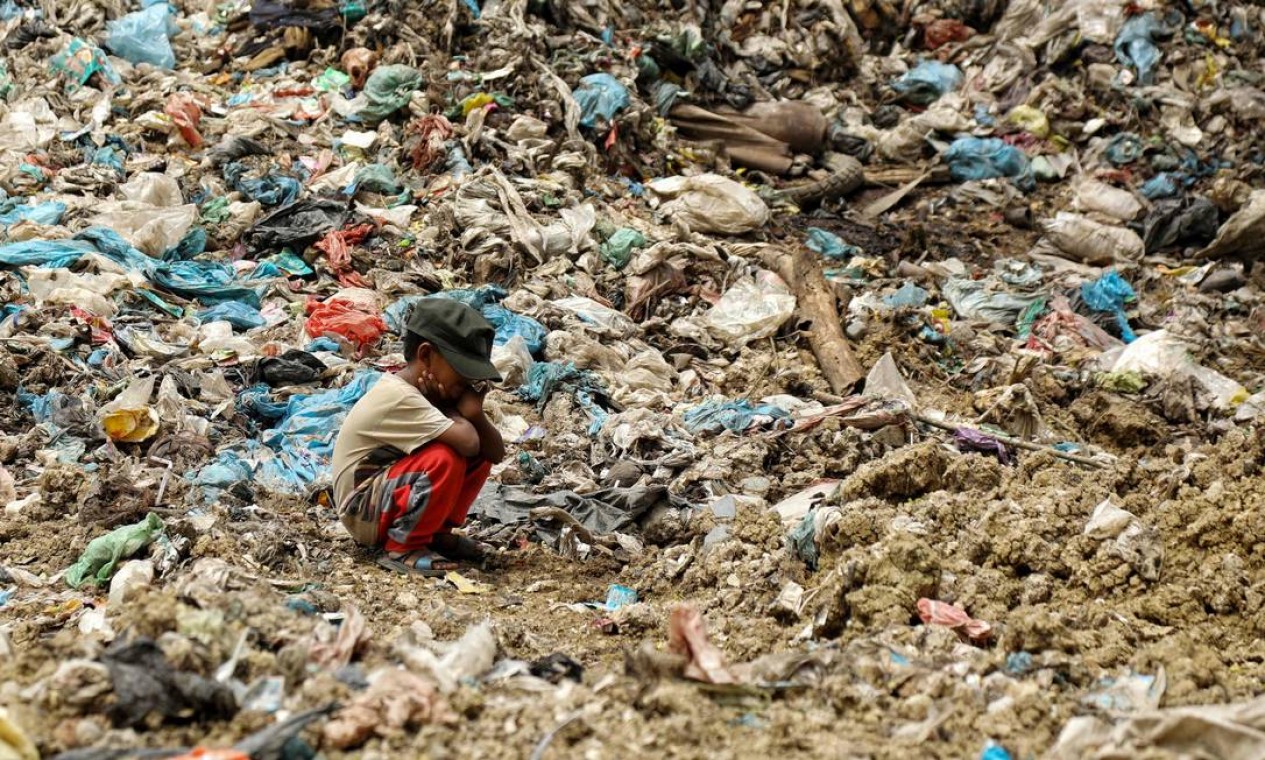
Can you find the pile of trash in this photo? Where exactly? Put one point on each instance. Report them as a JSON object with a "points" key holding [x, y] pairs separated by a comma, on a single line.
{"points": [[876, 375]]}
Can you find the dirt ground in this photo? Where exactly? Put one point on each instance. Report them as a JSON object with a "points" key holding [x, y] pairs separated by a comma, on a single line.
{"points": [[853, 673]]}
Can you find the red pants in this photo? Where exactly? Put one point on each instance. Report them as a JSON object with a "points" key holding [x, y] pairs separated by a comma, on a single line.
{"points": [[428, 492]]}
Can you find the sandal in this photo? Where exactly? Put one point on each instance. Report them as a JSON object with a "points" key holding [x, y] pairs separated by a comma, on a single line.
{"points": [[460, 548], [423, 564]]}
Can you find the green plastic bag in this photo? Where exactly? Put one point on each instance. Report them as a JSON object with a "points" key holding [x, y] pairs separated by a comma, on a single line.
{"points": [[388, 89], [618, 248], [101, 558]]}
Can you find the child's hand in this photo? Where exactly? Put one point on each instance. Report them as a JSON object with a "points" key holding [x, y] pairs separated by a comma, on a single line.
{"points": [[431, 387], [470, 405]]}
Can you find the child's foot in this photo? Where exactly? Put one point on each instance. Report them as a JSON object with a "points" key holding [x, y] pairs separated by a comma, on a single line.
{"points": [[423, 563], [461, 548]]}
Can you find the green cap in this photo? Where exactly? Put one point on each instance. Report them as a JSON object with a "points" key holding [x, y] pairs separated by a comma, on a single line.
{"points": [[460, 333]]}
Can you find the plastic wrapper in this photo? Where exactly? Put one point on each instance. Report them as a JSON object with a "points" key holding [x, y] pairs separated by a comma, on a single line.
{"points": [[753, 309], [186, 113], [710, 203]]}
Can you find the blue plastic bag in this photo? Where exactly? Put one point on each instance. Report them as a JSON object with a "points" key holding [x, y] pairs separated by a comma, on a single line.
{"points": [[830, 245], [303, 440], [206, 281], [738, 416], [547, 378], [486, 300], [1124, 148], [600, 95], [48, 212], [927, 82], [48, 253], [241, 316], [257, 401], [1110, 293], [141, 37], [270, 190], [1135, 45], [1163, 185], [975, 158]]}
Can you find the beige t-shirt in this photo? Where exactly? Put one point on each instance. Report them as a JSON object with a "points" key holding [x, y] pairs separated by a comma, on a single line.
{"points": [[393, 413]]}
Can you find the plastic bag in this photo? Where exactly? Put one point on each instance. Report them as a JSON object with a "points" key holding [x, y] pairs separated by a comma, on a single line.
{"points": [[1110, 293], [1243, 234], [240, 315], [830, 245], [1124, 148], [129, 418], [927, 82], [1090, 242], [141, 37], [618, 248], [513, 360], [1162, 185], [601, 319], [47, 212], [751, 310], [975, 158], [303, 440], [388, 89], [186, 113], [1164, 355], [1095, 196], [153, 189], [736, 416], [710, 203], [600, 96], [79, 62], [270, 190], [1136, 45], [101, 558], [973, 300], [1192, 221], [342, 318], [152, 230]]}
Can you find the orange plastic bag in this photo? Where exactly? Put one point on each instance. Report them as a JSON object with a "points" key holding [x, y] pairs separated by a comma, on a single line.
{"points": [[341, 318]]}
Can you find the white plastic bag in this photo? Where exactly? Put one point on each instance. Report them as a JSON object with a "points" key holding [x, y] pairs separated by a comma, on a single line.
{"points": [[513, 361], [152, 229], [1095, 196], [710, 203], [1090, 242], [1243, 233], [153, 189], [1164, 355], [752, 309]]}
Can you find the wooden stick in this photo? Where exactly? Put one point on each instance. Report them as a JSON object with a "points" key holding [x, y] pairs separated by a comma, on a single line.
{"points": [[884, 176], [801, 271], [1016, 442]]}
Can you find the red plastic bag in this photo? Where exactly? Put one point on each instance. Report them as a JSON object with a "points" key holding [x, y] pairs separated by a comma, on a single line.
{"points": [[942, 613], [185, 113], [337, 247], [945, 30], [342, 319]]}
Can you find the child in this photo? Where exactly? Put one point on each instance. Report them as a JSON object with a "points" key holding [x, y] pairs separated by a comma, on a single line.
{"points": [[414, 452]]}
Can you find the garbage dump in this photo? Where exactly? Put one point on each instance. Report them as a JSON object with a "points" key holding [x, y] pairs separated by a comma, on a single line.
{"points": [[874, 379]]}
